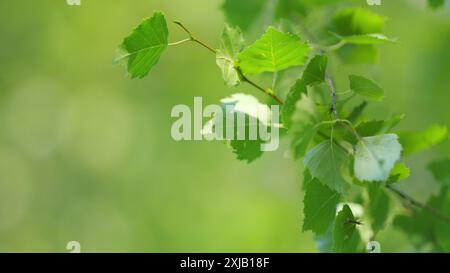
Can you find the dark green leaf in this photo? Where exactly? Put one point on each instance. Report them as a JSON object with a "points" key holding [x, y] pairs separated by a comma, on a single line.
{"points": [[346, 238], [315, 71], [326, 162], [243, 13], [436, 3], [319, 207], [441, 171], [377, 206]]}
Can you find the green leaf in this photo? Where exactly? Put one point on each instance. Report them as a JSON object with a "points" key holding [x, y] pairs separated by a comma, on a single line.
{"points": [[414, 142], [373, 127], [294, 95], [319, 207], [441, 170], [377, 206], [326, 162], [274, 51], [346, 238], [247, 150], [314, 73], [426, 227], [304, 129], [324, 242], [441, 226], [356, 112], [144, 46], [398, 173], [357, 21], [315, 70], [226, 57], [375, 157], [366, 87], [242, 13], [436, 3]]}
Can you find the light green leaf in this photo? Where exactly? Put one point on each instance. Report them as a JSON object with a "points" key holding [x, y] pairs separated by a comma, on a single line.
{"points": [[375, 157], [366, 87], [274, 51], [144, 46], [346, 238], [326, 162], [377, 206], [319, 207], [441, 170], [398, 173], [242, 13], [226, 57], [414, 142], [373, 127]]}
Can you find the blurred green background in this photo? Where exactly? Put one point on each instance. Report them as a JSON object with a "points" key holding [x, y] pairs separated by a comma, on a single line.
{"points": [[86, 153]]}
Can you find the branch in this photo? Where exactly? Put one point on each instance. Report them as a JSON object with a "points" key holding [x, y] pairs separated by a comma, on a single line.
{"points": [[241, 75], [437, 213]]}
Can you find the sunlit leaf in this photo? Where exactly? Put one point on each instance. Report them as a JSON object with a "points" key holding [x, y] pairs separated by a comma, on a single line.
{"points": [[226, 56], [414, 142], [398, 173], [274, 51], [144, 46]]}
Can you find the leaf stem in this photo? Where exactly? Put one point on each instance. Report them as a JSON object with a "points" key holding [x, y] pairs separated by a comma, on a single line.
{"points": [[265, 91], [193, 38], [180, 42]]}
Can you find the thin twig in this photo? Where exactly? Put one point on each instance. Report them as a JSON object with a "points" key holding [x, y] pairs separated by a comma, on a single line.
{"points": [[241, 75], [416, 203], [193, 38]]}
